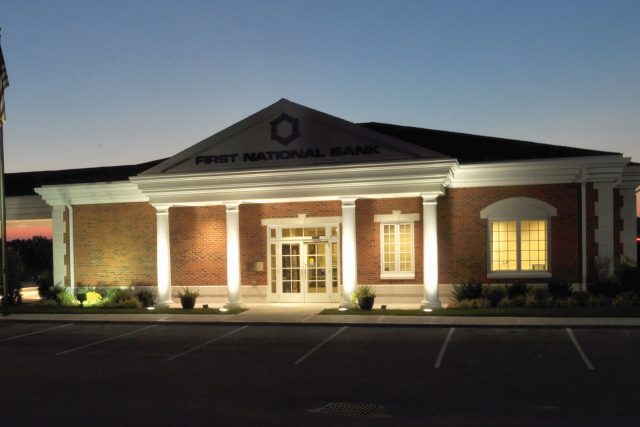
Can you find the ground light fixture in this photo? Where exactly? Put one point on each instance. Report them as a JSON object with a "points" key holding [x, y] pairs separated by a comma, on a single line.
{"points": [[342, 309], [223, 309], [151, 308], [427, 310]]}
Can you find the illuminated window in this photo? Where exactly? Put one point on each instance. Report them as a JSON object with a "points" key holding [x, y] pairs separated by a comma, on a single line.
{"points": [[396, 244], [519, 237], [519, 245]]}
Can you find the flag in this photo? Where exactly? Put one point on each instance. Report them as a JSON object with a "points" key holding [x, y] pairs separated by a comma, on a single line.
{"points": [[4, 83]]}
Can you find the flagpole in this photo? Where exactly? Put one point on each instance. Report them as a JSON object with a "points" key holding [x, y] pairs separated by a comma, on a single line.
{"points": [[3, 212], [4, 83]]}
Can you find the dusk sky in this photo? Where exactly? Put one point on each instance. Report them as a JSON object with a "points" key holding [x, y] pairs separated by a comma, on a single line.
{"points": [[108, 82]]}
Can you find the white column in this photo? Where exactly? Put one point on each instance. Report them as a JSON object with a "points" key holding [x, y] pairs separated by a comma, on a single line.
{"points": [[349, 250], [629, 230], [59, 247], [604, 232], [233, 255], [430, 252], [164, 257]]}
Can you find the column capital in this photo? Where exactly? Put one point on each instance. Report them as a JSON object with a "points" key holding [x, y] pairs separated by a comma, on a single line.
{"points": [[232, 205], [162, 209], [431, 198], [348, 201]]}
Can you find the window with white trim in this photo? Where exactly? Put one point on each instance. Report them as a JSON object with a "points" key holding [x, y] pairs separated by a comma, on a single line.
{"points": [[519, 245], [519, 237], [397, 249]]}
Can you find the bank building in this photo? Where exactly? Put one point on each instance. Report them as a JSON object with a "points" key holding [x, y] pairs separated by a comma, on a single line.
{"points": [[295, 205]]}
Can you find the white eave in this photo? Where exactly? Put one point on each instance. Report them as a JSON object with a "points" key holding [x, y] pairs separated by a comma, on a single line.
{"points": [[542, 171], [393, 179], [93, 193], [27, 208]]}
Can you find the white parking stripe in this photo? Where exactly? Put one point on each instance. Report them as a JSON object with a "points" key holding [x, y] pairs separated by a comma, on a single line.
{"points": [[579, 348], [208, 342], [105, 340], [36, 332], [309, 353], [444, 348]]}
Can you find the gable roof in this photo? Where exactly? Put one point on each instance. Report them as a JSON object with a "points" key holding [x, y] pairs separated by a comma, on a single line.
{"points": [[286, 134], [23, 183], [469, 148]]}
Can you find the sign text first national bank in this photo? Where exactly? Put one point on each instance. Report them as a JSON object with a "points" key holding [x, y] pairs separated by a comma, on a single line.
{"points": [[258, 156]]}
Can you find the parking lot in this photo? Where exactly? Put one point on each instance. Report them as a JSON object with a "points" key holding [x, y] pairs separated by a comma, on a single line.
{"points": [[235, 374]]}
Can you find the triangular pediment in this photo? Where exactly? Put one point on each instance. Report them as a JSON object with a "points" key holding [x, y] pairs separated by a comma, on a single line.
{"points": [[286, 135]]}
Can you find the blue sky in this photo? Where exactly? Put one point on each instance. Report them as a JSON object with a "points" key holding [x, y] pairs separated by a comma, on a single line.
{"points": [[110, 82]]}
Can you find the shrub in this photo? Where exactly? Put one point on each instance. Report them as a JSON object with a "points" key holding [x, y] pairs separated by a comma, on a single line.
{"points": [[517, 301], [66, 299], [494, 294], [598, 301], [538, 297], [625, 299], [517, 289], [45, 283], [121, 298], [145, 296], [93, 298], [188, 293], [578, 298], [559, 289], [469, 290], [474, 303]]}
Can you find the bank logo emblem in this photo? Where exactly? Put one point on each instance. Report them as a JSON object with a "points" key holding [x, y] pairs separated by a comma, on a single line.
{"points": [[285, 129]]}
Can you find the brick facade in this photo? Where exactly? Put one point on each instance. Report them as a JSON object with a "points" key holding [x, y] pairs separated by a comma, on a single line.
{"points": [[198, 243], [462, 234], [368, 236], [115, 244]]}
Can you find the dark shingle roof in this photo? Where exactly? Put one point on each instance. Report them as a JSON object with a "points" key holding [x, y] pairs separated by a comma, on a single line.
{"points": [[466, 148], [469, 148], [23, 183]]}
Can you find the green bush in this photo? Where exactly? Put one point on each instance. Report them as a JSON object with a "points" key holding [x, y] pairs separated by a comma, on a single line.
{"points": [[121, 298], [538, 297], [494, 294], [517, 289], [578, 298], [474, 303], [559, 289], [598, 301], [517, 301], [66, 299], [469, 290], [626, 299], [145, 296], [45, 283]]}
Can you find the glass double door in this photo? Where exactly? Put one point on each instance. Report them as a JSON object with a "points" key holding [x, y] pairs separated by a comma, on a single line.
{"points": [[303, 271]]}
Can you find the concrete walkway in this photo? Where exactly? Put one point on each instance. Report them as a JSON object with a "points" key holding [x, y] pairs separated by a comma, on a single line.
{"points": [[307, 314]]}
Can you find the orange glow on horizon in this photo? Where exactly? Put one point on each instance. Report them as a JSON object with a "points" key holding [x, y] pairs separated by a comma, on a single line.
{"points": [[28, 229]]}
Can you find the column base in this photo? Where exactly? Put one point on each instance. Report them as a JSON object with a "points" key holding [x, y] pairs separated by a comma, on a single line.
{"points": [[430, 304], [164, 304], [234, 305], [347, 305]]}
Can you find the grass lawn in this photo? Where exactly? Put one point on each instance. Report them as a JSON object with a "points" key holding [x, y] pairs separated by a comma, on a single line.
{"points": [[611, 311], [55, 309]]}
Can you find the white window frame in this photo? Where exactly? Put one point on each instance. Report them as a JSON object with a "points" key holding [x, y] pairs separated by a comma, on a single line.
{"points": [[518, 209], [397, 218]]}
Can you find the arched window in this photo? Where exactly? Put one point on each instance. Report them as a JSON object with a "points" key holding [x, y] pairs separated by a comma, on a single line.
{"points": [[518, 237]]}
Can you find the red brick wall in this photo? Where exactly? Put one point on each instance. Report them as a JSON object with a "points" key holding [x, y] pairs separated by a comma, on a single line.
{"points": [[115, 244], [368, 237], [198, 246], [462, 234]]}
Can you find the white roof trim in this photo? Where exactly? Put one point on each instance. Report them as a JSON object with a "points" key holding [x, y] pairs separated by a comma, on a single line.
{"points": [[89, 194]]}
